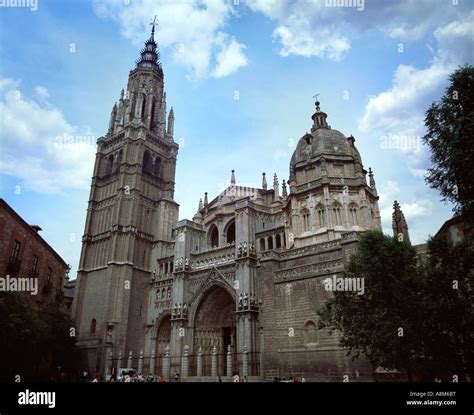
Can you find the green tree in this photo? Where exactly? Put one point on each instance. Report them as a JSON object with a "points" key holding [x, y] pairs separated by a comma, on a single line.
{"points": [[448, 320], [450, 131], [382, 324], [33, 341]]}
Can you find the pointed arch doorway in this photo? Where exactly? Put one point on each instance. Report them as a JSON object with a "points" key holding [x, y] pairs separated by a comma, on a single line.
{"points": [[214, 326]]}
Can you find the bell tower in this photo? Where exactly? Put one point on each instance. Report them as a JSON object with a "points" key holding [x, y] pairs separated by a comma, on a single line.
{"points": [[130, 216]]}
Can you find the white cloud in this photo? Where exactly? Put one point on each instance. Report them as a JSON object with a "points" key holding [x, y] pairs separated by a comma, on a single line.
{"points": [[194, 29], [313, 28], [39, 147], [230, 58], [400, 110], [42, 92]]}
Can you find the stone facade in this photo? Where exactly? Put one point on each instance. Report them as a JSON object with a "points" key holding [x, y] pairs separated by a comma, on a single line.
{"points": [[238, 287]]}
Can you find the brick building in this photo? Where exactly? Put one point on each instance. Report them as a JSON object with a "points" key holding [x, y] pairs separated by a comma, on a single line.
{"points": [[24, 254]]}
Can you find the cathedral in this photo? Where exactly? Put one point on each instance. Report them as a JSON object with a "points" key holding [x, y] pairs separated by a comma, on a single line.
{"points": [[237, 288]]}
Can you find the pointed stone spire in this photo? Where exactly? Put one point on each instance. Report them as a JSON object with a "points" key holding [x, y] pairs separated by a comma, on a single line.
{"points": [[149, 55], [232, 177], [264, 182], [371, 179], [121, 94], [200, 205], [171, 122], [113, 115], [276, 188], [399, 224], [283, 192], [205, 199]]}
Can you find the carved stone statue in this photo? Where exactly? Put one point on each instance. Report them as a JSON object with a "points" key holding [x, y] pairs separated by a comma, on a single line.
{"points": [[185, 310], [240, 301], [245, 248], [239, 250], [246, 300], [186, 262]]}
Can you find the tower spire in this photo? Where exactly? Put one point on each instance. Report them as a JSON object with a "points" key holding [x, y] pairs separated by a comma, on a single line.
{"points": [[150, 57], [264, 182], [276, 188], [232, 177], [399, 224], [319, 117], [284, 192]]}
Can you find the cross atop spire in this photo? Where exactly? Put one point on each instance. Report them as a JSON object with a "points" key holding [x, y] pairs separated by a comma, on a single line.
{"points": [[150, 56], [317, 103], [153, 24]]}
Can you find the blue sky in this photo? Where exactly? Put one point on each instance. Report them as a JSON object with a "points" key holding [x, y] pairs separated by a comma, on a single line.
{"points": [[62, 68]]}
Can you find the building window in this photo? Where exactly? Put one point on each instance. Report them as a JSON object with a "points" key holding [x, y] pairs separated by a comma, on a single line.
{"points": [[143, 113], [34, 265], [321, 218], [15, 251], [93, 326], [353, 215], [278, 241], [169, 293], [310, 333], [49, 275], [231, 233], [262, 244], [270, 242], [337, 215], [306, 221], [214, 237]]}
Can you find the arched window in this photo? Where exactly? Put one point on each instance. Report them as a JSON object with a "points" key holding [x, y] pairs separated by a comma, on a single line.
{"points": [[169, 293], [109, 161], [166, 268], [152, 115], [337, 215], [157, 167], [278, 241], [310, 333], [158, 295], [321, 216], [213, 237], [147, 162], [306, 220], [353, 215], [270, 242], [230, 234], [143, 113], [163, 294], [93, 326]]}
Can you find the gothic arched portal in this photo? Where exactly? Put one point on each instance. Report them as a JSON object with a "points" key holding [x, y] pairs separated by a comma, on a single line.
{"points": [[214, 325]]}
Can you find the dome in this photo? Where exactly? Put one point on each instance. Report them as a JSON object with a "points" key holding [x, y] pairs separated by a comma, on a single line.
{"points": [[323, 141]]}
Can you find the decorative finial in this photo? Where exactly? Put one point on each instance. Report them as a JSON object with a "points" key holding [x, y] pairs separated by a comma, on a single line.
{"points": [[153, 24], [205, 199], [283, 192], [232, 177], [264, 182], [200, 205], [317, 103]]}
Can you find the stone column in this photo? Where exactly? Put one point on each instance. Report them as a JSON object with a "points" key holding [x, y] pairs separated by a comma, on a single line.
{"points": [[229, 361], [140, 362], [119, 363], [245, 362], [185, 363], [199, 363], [214, 362], [130, 360], [166, 363], [152, 363]]}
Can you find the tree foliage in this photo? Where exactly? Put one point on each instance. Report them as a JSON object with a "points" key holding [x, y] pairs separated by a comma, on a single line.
{"points": [[450, 131], [410, 317]]}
